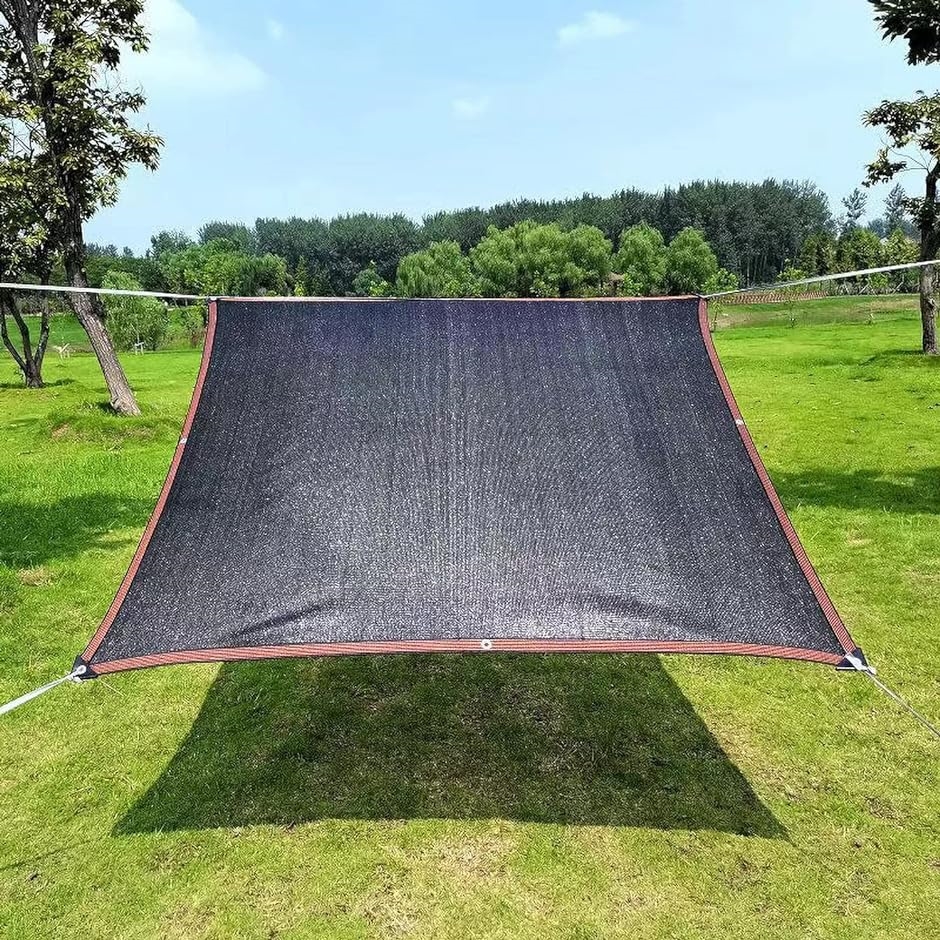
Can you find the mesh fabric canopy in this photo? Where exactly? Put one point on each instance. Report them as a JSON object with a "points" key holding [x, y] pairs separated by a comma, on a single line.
{"points": [[389, 476]]}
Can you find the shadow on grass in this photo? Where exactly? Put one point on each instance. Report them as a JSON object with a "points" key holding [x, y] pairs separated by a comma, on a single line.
{"points": [[891, 356], [917, 492], [21, 385], [592, 740], [34, 533]]}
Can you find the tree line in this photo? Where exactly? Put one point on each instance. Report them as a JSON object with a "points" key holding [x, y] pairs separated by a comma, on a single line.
{"points": [[528, 259], [755, 229], [67, 140]]}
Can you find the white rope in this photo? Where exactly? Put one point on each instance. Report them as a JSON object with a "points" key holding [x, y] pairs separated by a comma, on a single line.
{"points": [[73, 676], [66, 289], [860, 665], [822, 277], [906, 705]]}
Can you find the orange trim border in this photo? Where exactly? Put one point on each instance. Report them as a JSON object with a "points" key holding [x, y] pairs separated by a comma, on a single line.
{"points": [[238, 654], [828, 608], [109, 617]]}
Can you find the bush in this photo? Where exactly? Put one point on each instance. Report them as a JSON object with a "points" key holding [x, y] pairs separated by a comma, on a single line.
{"points": [[188, 324], [690, 263], [133, 320], [642, 260]]}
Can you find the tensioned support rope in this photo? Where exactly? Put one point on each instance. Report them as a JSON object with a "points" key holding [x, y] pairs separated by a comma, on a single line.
{"points": [[861, 666], [74, 676], [820, 278], [111, 291], [932, 728]]}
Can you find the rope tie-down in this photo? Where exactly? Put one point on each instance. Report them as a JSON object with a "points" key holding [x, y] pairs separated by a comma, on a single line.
{"points": [[74, 676]]}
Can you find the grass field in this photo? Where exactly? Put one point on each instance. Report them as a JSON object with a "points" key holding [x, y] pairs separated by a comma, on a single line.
{"points": [[500, 797]]}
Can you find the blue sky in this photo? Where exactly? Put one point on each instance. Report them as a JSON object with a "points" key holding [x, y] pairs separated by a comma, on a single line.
{"points": [[309, 107]]}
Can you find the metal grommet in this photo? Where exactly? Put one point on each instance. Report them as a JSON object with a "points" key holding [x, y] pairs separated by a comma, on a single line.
{"points": [[486, 644]]}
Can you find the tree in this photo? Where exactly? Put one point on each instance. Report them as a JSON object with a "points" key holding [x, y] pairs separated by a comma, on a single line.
{"points": [[369, 283], [915, 21], [895, 216], [24, 245], [440, 270], [301, 279], [237, 233], [719, 282], [690, 262], [858, 249], [58, 68], [641, 260], [356, 240], [164, 242], [914, 125], [219, 268], [854, 205], [898, 248], [818, 254], [133, 320], [533, 260]]}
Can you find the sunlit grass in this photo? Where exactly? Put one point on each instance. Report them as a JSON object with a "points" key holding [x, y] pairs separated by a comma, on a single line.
{"points": [[504, 797]]}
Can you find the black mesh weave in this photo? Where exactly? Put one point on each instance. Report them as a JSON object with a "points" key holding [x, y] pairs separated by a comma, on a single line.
{"points": [[421, 470]]}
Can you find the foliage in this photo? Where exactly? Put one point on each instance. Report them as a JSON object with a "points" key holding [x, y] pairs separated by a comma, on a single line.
{"points": [[915, 21], [165, 242], [898, 248], [791, 273], [895, 215], [301, 279], [858, 249], [62, 98], [690, 263], [532, 260], [722, 280], [369, 283], [244, 239], [641, 259], [55, 61], [818, 255], [355, 241], [219, 268], [189, 322], [753, 228], [25, 245], [440, 270], [909, 125], [854, 205], [133, 320], [914, 126], [145, 270]]}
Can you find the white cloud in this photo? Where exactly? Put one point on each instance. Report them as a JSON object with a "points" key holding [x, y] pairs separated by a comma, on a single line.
{"points": [[594, 25], [185, 57], [276, 30], [469, 109]]}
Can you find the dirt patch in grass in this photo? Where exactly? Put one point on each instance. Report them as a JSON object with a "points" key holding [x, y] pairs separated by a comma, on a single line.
{"points": [[38, 576]]}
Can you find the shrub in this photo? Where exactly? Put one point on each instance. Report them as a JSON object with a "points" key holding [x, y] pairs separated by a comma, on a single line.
{"points": [[132, 320]]}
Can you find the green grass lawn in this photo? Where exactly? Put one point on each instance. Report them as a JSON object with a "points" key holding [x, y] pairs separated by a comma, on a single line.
{"points": [[572, 797]]}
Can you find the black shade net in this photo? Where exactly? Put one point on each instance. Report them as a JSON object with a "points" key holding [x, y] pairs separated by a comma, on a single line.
{"points": [[519, 474]]}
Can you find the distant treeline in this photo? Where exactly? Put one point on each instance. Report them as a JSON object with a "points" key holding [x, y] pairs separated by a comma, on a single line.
{"points": [[755, 229]]}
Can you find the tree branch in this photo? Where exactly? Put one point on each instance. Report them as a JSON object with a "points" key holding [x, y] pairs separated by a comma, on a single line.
{"points": [[5, 301]]}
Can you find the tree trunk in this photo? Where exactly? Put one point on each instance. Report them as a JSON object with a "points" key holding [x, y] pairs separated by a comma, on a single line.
{"points": [[90, 313], [28, 361], [928, 275], [928, 309]]}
